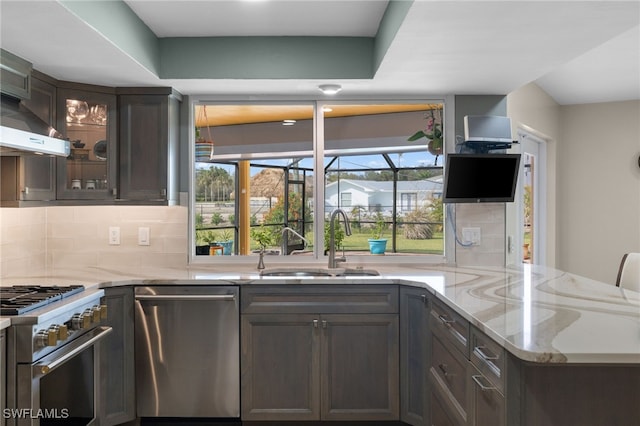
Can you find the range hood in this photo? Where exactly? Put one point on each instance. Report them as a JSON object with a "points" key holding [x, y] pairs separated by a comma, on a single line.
{"points": [[22, 132]]}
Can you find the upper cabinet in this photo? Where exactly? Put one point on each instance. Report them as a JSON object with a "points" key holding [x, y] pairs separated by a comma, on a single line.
{"points": [[124, 142], [148, 139], [15, 75], [32, 178], [88, 119]]}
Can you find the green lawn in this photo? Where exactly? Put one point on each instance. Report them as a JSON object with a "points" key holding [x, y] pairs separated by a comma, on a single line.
{"points": [[358, 242]]}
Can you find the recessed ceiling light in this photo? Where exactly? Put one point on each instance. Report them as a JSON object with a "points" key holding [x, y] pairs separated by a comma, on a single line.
{"points": [[330, 89]]}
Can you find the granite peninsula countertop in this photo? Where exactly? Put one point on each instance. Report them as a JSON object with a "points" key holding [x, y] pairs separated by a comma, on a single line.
{"points": [[539, 314]]}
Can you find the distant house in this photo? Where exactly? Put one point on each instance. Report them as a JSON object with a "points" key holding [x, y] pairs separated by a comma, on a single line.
{"points": [[378, 195]]}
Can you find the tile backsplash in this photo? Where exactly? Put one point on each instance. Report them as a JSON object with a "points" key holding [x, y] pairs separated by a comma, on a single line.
{"points": [[39, 239], [490, 218]]}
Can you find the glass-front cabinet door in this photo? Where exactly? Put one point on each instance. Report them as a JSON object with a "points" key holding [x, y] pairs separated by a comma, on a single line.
{"points": [[88, 120]]}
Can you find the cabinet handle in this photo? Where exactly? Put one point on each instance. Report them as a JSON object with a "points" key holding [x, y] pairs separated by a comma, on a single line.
{"points": [[482, 386], [424, 298], [324, 323], [315, 323], [480, 351], [443, 368], [445, 320]]}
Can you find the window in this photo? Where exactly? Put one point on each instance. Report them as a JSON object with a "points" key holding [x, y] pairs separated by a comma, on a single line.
{"points": [[380, 166], [345, 199], [408, 201]]}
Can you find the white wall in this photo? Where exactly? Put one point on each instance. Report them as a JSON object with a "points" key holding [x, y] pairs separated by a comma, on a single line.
{"points": [[598, 187], [593, 179]]}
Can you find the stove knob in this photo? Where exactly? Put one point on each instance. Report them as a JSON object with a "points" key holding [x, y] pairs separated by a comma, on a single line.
{"points": [[46, 338], [80, 321], [103, 311], [95, 311], [87, 318], [63, 332]]}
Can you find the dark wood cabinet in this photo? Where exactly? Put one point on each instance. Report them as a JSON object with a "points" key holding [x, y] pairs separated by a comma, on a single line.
{"points": [[280, 359], [30, 178], [124, 142], [149, 125], [87, 117], [487, 402], [302, 360], [15, 75], [414, 355], [38, 175], [117, 358], [359, 367]]}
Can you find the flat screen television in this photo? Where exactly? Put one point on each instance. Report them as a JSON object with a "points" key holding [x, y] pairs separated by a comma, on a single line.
{"points": [[480, 178]]}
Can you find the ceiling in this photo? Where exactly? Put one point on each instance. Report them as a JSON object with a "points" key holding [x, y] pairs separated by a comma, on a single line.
{"points": [[577, 51]]}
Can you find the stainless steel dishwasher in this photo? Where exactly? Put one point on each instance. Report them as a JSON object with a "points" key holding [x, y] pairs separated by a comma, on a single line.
{"points": [[187, 351]]}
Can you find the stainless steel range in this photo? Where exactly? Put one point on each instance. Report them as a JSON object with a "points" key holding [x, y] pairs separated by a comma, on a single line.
{"points": [[53, 354]]}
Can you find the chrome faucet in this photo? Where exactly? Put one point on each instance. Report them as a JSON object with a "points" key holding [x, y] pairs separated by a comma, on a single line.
{"points": [[333, 262], [283, 246]]}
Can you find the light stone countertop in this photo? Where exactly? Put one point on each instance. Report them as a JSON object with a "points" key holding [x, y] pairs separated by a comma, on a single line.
{"points": [[538, 314], [4, 322]]}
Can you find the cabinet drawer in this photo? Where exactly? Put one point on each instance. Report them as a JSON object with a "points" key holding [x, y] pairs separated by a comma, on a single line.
{"points": [[451, 325], [319, 299], [488, 357], [487, 402], [448, 375]]}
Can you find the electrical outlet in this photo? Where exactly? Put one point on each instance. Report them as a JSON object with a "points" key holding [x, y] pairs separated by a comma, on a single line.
{"points": [[114, 235], [143, 236], [471, 236]]}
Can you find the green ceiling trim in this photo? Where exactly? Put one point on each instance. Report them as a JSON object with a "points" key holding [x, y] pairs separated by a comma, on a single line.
{"points": [[394, 15], [267, 57], [241, 57], [116, 22]]}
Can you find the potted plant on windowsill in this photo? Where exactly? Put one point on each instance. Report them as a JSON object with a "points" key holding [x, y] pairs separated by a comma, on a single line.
{"points": [[226, 241], [205, 239], [432, 132], [377, 244]]}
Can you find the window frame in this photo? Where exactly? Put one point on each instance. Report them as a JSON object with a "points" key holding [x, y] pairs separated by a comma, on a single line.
{"points": [[318, 154]]}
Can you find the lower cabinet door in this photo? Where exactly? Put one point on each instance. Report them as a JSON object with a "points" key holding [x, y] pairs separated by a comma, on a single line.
{"points": [[117, 358], [439, 416], [280, 362], [360, 378], [488, 404]]}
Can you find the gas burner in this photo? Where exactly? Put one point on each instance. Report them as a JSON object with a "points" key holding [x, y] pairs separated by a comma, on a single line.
{"points": [[18, 299]]}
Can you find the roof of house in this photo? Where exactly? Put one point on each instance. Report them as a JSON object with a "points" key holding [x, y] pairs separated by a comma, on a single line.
{"points": [[432, 184]]}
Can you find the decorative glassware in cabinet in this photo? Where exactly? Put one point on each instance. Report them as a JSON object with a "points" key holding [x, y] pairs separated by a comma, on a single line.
{"points": [[87, 172]]}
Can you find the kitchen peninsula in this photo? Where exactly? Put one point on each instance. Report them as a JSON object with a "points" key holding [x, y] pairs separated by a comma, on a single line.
{"points": [[544, 341]]}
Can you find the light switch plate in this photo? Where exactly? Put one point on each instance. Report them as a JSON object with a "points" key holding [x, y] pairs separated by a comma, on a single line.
{"points": [[114, 235], [143, 236]]}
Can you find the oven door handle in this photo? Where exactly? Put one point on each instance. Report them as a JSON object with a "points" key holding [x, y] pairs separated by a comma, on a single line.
{"points": [[83, 342]]}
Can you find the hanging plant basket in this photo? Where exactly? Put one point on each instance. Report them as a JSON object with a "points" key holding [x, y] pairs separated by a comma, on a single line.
{"points": [[204, 146], [204, 150]]}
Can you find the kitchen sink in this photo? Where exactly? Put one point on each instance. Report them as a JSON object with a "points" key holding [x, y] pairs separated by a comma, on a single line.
{"points": [[360, 273], [318, 272]]}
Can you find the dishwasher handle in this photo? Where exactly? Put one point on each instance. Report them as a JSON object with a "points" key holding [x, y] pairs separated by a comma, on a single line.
{"points": [[193, 297]]}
